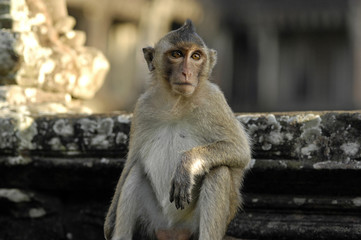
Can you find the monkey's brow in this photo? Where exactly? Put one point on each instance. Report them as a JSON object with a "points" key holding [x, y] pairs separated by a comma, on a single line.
{"points": [[187, 44], [187, 47]]}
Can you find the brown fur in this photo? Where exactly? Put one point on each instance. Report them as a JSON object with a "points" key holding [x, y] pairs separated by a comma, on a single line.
{"points": [[185, 146]]}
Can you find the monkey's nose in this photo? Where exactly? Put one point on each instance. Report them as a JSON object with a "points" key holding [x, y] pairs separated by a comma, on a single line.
{"points": [[186, 74]]}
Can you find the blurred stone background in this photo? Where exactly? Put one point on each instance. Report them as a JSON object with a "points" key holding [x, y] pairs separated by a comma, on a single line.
{"points": [[276, 55], [44, 65]]}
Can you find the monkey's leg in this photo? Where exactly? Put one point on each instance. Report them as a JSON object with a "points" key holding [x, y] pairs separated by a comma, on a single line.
{"points": [[215, 204], [129, 206]]}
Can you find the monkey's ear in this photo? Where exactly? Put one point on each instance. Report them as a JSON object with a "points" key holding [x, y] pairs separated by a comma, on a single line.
{"points": [[212, 58], [149, 55]]}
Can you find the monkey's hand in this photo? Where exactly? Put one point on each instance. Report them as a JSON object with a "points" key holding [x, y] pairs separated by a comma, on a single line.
{"points": [[182, 184]]}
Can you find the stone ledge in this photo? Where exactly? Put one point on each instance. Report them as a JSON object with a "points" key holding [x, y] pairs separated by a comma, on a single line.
{"points": [[314, 136], [303, 182], [71, 135], [275, 224], [311, 138]]}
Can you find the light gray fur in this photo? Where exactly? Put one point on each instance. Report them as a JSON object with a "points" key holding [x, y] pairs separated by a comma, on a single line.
{"points": [[186, 161], [160, 144]]}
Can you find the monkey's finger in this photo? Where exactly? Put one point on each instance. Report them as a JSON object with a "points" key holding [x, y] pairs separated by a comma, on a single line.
{"points": [[177, 201], [180, 204], [177, 198], [189, 198], [183, 197], [171, 193]]}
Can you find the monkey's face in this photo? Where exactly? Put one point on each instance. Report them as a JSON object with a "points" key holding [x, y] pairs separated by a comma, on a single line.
{"points": [[183, 68], [181, 59]]}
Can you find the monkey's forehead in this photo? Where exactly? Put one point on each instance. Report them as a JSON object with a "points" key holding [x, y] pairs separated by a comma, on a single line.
{"points": [[191, 38], [182, 36], [180, 45]]}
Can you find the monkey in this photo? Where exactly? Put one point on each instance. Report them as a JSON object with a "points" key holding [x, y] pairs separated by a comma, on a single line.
{"points": [[187, 152]]}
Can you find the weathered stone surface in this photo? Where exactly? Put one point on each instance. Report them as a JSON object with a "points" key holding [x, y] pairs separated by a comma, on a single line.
{"points": [[40, 49], [310, 136], [13, 95], [293, 140], [5, 20], [66, 135], [8, 57], [295, 224], [303, 182]]}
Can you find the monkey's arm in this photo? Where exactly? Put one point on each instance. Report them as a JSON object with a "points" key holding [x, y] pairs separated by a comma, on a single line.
{"points": [[230, 145], [232, 149], [199, 161]]}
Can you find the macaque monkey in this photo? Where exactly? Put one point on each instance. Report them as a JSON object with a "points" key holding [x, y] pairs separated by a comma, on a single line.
{"points": [[187, 152]]}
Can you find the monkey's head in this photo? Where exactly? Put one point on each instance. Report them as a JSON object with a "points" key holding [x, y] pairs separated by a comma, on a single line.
{"points": [[181, 59]]}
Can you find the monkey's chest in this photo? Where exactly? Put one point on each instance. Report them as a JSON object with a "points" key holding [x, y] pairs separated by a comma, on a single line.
{"points": [[161, 154]]}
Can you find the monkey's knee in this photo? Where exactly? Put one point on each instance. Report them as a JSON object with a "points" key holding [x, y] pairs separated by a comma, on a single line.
{"points": [[218, 190], [220, 175]]}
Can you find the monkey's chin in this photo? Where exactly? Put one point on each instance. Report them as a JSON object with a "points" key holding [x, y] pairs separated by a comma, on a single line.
{"points": [[184, 90]]}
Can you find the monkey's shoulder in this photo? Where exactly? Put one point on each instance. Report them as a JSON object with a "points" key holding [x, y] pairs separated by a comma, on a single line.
{"points": [[214, 103], [214, 96]]}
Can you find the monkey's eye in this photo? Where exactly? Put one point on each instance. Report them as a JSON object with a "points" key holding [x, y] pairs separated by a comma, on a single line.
{"points": [[176, 54], [196, 56]]}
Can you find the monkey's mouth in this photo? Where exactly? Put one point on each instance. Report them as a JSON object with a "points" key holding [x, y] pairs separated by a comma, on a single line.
{"points": [[183, 84], [183, 88]]}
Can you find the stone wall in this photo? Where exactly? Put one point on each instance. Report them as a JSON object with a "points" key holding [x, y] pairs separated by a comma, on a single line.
{"points": [[45, 69], [44, 65], [58, 173]]}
